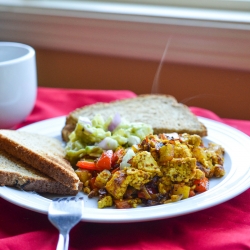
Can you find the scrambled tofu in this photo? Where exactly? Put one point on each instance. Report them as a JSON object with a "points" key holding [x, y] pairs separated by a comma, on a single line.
{"points": [[181, 150], [118, 184], [161, 170], [137, 177], [106, 201], [180, 169], [191, 140], [211, 159], [144, 161], [120, 180], [102, 179], [164, 185]]}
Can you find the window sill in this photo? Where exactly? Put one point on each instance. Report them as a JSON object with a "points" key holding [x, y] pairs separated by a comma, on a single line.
{"points": [[210, 38]]}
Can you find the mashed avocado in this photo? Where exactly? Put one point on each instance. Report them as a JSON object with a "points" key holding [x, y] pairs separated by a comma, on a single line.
{"points": [[90, 138]]}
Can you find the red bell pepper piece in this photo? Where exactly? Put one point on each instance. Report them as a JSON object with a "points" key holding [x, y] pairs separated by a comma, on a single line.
{"points": [[104, 162], [122, 204], [191, 193], [117, 156], [143, 193], [201, 185], [89, 165]]}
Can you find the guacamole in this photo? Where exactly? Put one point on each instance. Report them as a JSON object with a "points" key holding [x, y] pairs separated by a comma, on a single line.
{"points": [[91, 137]]}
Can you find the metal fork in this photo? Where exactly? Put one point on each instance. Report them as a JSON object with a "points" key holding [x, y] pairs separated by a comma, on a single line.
{"points": [[64, 214]]}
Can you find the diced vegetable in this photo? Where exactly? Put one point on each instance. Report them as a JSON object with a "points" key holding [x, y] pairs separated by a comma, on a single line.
{"points": [[176, 197], [104, 162], [108, 143], [122, 204], [144, 194], [90, 165], [115, 122], [83, 174], [117, 156], [166, 153], [133, 140], [181, 190], [201, 185], [129, 154], [191, 193]]}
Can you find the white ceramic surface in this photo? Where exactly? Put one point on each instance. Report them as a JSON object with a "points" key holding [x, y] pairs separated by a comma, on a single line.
{"points": [[18, 83], [236, 180]]}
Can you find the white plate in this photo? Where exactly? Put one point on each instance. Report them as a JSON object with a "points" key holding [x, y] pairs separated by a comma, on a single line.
{"points": [[236, 180]]}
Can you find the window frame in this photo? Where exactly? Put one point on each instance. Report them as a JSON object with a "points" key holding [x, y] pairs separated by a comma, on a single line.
{"points": [[198, 36]]}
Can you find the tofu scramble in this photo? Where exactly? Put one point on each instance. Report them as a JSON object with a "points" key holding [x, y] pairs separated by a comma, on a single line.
{"points": [[161, 169]]}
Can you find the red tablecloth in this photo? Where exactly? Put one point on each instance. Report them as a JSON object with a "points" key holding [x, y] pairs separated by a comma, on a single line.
{"points": [[226, 226]]}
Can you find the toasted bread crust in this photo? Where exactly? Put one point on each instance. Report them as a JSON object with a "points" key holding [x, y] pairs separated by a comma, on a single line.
{"points": [[15, 173], [41, 152], [162, 112]]}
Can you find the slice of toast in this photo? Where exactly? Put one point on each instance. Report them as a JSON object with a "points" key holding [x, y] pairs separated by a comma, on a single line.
{"points": [[15, 173], [162, 112], [41, 152]]}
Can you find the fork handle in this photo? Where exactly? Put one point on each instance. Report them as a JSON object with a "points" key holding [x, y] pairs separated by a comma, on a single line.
{"points": [[63, 241]]}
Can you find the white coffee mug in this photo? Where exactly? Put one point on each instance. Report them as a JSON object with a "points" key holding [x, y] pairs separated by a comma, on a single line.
{"points": [[18, 83]]}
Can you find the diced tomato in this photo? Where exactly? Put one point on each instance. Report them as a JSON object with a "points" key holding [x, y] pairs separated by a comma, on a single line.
{"points": [[201, 185], [105, 161], [122, 204]]}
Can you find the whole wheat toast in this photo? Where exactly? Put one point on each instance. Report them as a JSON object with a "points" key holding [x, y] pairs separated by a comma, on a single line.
{"points": [[43, 153], [162, 112], [16, 173]]}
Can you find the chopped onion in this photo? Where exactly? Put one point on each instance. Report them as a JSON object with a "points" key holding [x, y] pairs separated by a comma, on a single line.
{"points": [[172, 136], [87, 129], [115, 122], [85, 120], [129, 154], [108, 143], [86, 123]]}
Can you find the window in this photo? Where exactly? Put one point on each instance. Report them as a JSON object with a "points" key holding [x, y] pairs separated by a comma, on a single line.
{"points": [[234, 5], [215, 32]]}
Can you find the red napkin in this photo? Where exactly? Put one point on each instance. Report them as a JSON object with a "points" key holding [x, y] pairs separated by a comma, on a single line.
{"points": [[225, 226]]}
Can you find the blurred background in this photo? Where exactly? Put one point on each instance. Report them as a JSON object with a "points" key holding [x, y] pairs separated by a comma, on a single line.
{"points": [[199, 53]]}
